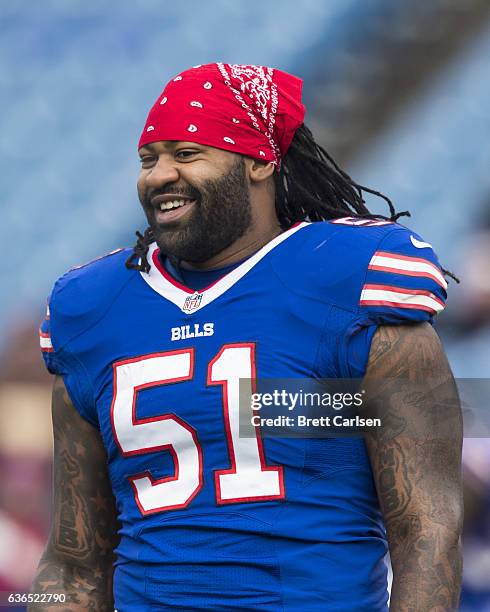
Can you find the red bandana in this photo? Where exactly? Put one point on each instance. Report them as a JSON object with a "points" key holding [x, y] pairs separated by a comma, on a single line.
{"points": [[252, 110]]}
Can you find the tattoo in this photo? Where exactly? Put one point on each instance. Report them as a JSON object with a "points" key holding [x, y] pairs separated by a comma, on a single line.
{"points": [[69, 538], [79, 557], [416, 462], [393, 480]]}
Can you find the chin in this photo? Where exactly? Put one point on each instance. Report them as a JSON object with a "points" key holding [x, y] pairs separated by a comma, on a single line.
{"points": [[187, 250], [174, 243]]}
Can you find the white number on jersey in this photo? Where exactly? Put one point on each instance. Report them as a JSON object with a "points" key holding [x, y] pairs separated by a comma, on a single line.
{"points": [[248, 479]]}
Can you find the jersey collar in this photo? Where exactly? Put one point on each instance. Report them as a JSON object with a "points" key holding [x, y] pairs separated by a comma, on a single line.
{"points": [[190, 301]]}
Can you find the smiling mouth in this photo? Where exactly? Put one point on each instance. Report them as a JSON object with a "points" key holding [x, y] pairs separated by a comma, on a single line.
{"points": [[174, 204], [167, 212]]}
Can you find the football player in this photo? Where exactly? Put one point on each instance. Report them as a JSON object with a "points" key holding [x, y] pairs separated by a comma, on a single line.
{"points": [[260, 261]]}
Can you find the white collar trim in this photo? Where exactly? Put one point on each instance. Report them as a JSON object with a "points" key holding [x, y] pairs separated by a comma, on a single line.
{"points": [[189, 301]]}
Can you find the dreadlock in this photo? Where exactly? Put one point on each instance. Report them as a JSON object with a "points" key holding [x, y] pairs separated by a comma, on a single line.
{"points": [[309, 185]]}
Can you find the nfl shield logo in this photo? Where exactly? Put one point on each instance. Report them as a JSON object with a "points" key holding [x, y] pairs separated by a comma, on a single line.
{"points": [[192, 302]]}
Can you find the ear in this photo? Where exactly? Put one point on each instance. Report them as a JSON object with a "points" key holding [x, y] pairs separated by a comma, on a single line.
{"points": [[259, 171]]}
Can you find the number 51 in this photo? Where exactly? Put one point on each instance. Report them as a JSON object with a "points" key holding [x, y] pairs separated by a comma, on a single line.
{"points": [[248, 479]]}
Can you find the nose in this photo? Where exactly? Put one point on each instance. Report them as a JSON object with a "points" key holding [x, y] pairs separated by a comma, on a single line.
{"points": [[163, 172]]}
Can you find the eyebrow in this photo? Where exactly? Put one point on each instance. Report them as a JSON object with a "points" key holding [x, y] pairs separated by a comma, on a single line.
{"points": [[150, 147], [169, 145]]}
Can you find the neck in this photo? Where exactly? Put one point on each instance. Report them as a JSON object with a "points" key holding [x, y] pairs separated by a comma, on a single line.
{"points": [[241, 249]]}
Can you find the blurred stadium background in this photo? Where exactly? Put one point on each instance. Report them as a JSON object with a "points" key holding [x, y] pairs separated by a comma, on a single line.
{"points": [[398, 92]]}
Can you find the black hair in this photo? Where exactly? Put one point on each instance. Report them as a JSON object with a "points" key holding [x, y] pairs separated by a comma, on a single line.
{"points": [[309, 185]]}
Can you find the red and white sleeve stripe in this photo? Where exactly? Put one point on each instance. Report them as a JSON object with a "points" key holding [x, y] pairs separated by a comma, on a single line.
{"points": [[407, 266], [45, 342], [398, 297]]}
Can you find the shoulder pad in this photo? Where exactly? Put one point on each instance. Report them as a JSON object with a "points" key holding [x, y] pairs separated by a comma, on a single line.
{"points": [[84, 294], [373, 268]]}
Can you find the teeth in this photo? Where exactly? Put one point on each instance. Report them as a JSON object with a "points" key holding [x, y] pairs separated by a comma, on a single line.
{"points": [[173, 204]]}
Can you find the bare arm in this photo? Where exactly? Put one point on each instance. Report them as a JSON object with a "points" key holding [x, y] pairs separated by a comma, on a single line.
{"points": [[416, 461], [79, 554]]}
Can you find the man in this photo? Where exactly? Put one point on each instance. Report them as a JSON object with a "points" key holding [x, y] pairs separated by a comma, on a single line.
{"points": [[260, 261]]}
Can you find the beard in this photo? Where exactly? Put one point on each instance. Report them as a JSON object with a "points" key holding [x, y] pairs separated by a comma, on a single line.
{"points": [[221, 214]]}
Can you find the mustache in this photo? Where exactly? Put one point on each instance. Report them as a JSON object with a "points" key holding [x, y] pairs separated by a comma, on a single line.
{"points": [[190, 193]]}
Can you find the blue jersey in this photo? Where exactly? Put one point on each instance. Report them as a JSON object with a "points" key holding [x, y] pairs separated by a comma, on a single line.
{"points": [[212, 520]]}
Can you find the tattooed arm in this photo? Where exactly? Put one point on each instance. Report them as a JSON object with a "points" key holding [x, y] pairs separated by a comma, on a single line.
{"points": [[416, 461], [79, 553]]}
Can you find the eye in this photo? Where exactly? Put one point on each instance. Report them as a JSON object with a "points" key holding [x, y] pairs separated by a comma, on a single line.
{"points": [[182, 154], [147, 161]]}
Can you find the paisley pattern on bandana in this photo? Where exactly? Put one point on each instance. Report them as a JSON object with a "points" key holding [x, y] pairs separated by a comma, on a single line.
{"points": [[257, 82], [247, 109]]}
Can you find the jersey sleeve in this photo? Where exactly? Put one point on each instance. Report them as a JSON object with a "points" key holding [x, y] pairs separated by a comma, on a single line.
{"points": [[54, 339], [46, 344], [403, 283]]}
